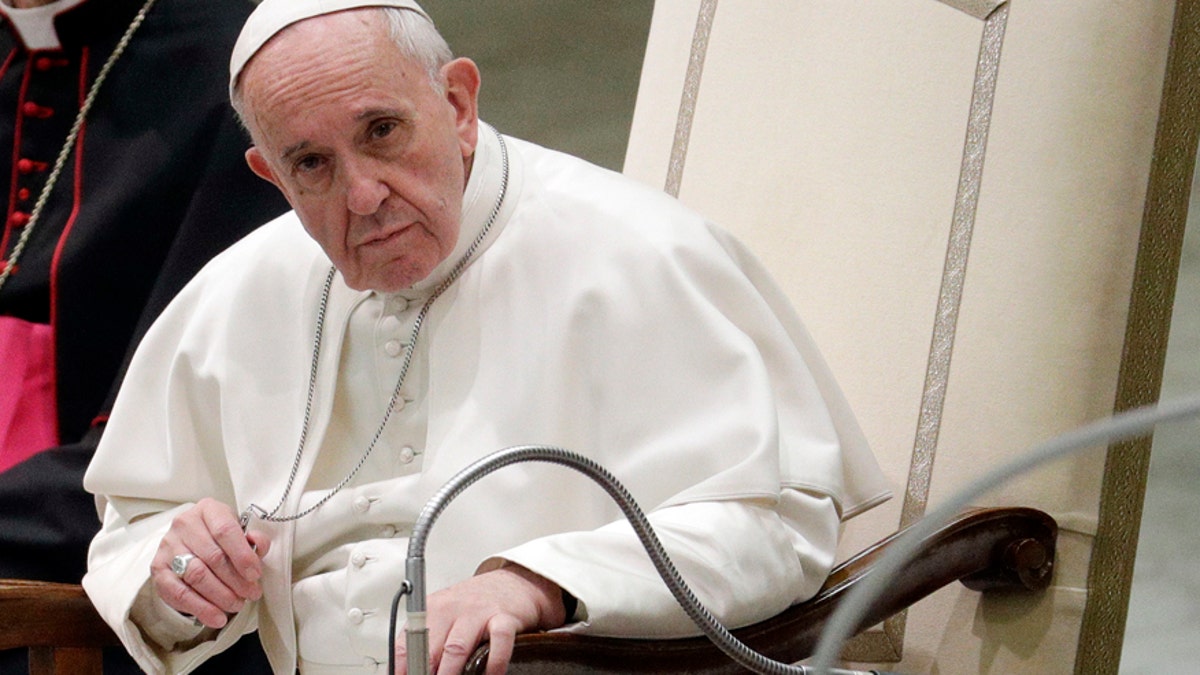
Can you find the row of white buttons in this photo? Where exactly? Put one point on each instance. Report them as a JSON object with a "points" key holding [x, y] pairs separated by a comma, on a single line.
{"points": [[401, 402], [391, 324], [396, 304], [362, 503], [393, 347]]}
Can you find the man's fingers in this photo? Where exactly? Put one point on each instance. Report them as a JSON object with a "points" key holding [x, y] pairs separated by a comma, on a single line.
{"points": [[212, 533], [260, 542], [186, 600], [206, 566], [494, 606], [217, 567], [460, 642], [201, 578], [502, 637], [465, 637], [232, 557]]}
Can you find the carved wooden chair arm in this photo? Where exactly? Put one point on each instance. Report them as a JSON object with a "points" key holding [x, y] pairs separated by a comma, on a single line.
{"points": [[56, 622], [987, 549]]}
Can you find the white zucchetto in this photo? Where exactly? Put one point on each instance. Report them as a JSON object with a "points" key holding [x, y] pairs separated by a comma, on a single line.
{"points": [[272, 16]]}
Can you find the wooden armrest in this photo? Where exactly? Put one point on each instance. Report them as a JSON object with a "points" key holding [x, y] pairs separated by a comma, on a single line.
{"points": [[991, 549], [987, 549], [56, 622], [45, 614]]}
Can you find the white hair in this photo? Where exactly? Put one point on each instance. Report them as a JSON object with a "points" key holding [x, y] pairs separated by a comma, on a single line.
{"points": [[413, 34], [419, 40]]}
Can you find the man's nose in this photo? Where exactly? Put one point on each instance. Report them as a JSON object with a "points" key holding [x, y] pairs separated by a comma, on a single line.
{"points": [[365, 189]]}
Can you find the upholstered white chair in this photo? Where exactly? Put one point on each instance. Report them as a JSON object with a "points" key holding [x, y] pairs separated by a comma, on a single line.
{"points": [[977, 206]]}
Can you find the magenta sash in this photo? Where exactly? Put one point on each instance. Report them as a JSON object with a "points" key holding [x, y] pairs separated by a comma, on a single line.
{"points": [[27, 406]]}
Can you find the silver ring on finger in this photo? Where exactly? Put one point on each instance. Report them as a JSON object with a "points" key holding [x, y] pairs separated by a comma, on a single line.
{"points": [[179, 563]]}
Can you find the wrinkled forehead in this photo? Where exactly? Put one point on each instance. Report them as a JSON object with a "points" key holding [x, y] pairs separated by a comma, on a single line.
{"points": [[272, 16]]}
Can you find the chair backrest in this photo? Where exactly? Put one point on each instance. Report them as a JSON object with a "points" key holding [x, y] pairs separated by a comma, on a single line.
{"points": [[977, 206]]}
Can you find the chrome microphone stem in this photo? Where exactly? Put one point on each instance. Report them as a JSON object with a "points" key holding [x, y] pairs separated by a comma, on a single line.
{"points": [[416, 634]]}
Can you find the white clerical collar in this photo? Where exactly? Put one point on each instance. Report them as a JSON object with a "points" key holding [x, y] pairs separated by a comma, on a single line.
{"points": [[488, 179], [35, 25]]}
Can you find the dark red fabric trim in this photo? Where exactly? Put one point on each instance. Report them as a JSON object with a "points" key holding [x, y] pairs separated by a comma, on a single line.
{"points": [[77, 193], [12, 190], [100, 419], [8, 61]]}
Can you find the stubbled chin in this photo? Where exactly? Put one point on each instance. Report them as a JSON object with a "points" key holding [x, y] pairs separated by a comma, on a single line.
{"points": [[390, 278], [386, 268], [396, 262]]}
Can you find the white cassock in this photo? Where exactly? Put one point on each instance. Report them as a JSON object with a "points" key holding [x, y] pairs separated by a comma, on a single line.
{"points": [[597, 315]]}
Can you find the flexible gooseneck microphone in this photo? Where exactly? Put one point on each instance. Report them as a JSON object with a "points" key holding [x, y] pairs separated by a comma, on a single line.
{"points": [[417, 634]]}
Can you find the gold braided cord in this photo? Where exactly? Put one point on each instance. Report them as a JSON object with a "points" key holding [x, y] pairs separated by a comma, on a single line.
{"points": [[11, 263]]}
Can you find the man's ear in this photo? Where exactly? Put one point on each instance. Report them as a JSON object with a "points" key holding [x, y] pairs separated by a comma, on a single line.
{"points": [[258, 164], [461, 77]]}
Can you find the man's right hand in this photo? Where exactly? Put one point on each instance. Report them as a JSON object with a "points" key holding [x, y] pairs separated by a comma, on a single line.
{"points": [[226, 568]]}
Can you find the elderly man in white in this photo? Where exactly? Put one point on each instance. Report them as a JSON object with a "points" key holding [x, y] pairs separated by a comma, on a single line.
{"points": [[442, 291]]}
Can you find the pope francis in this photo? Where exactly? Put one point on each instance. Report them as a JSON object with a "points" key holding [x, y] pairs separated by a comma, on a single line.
{"points": [[439, 292]]}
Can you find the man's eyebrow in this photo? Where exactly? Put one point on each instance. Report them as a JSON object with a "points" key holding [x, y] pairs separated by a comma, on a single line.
{"points": [[369, 114], [375, 113], [293, 150]]}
